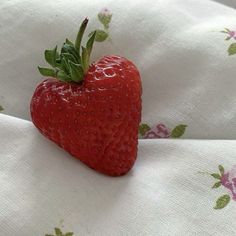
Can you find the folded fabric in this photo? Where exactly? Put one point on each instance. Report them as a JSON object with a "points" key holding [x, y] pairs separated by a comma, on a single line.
{"points": [[177, 187], [168, 192], [188, 78], [230, 3]]}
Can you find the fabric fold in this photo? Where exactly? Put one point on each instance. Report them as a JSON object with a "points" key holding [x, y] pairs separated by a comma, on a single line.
{"points": [[168, 192]]}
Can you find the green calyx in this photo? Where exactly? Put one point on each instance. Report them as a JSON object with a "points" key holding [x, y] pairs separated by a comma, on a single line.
{"points": [[72, 63]]}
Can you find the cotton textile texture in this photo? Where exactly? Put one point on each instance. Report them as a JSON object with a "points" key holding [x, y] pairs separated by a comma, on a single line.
{"points": [[163, 195], [178, 187]]}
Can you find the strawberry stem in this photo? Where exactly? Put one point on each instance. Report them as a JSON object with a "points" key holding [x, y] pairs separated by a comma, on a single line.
{"points": [[80, 35], [70, 65]]}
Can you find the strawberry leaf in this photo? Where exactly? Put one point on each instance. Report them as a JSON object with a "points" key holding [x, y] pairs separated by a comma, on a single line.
{"points": [[70, 57], [217, 185], [222, 201], [76, 72], [69, 49], [69, 42], [65, 65], [70, 65], [85, 59], [89, 44], [80, 35], [61, 75], [51, 56], [216, 176], [178, 131], [47, 71]]}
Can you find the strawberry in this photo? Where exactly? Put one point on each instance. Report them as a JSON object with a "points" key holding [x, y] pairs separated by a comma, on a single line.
{"points": [[91, 111]]}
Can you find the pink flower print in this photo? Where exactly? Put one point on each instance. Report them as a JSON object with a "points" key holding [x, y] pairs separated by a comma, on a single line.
{"points": [[228, 180], [158, 131], [105, 12], [232, 34], [104, 17]]}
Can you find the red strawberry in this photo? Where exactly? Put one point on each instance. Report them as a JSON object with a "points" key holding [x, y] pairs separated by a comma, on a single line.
{"points": [[93, 112]]}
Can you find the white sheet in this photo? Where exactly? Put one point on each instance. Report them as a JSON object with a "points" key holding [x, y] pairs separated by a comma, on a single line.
{"points": [[164, 194], [187, 78]]}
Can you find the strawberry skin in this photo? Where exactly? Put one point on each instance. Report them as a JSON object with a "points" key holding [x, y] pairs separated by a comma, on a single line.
{"points": [[95, 121]]}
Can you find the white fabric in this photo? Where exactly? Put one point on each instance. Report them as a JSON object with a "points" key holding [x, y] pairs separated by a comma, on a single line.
{"points": [[163, 195], [187, 76]]}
